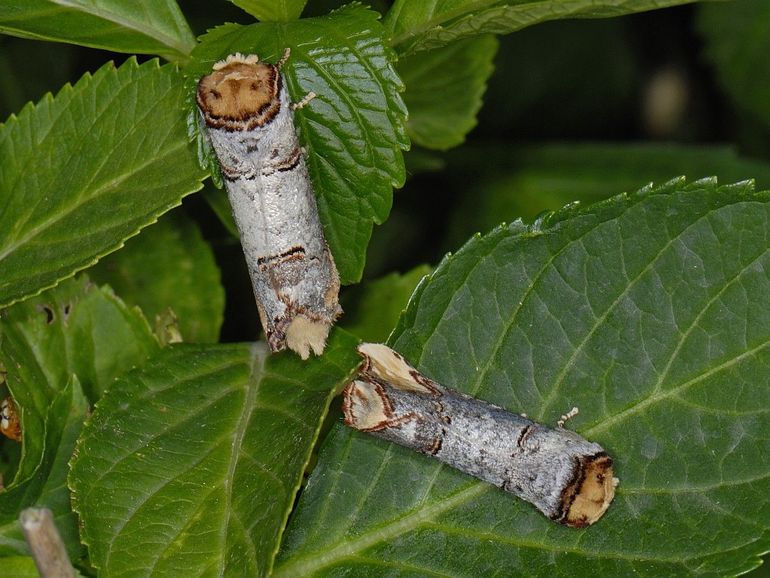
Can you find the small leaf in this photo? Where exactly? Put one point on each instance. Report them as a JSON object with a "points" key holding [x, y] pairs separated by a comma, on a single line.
{"points": [[416, 26], [48, 487], [87, 169], [444, 89], [169, 266], [649, 312], [190, 466], [139, 26], [353, 131], [272, 10], [381, 303], [738, 42], [78, 329]]}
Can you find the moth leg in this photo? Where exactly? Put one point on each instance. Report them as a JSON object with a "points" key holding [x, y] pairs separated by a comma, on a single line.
{"points": [[305, 100], [284, 58], [567, 416]]}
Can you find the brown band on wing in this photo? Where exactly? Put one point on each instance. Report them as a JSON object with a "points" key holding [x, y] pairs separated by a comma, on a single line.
{"points": [[296, 253], [287, 164]]}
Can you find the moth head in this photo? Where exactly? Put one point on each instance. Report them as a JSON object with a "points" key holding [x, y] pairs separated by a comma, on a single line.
{"points": [[241, 93]]}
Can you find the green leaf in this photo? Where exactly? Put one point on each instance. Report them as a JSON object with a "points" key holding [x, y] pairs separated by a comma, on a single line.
{"points": [[76, 328], [353, 131], [190, 466], [381, 303], [416, 26], [444, 89], [272, 10], [19, 567], [87, 169], [139, 26], [738, 42], [649, 312], [48, 488], [533, 179], [169, 265], [74, 334]]}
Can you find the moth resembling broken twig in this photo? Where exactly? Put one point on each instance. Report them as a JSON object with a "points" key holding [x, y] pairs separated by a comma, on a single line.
{"points": [[567, 478], [249, 122]]}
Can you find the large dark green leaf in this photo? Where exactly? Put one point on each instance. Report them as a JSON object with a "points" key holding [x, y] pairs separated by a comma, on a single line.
{"points": [[87, 169], [143, 26], [189, 467], [353, 131], [650, 313], [418, 26], [169, 266]]}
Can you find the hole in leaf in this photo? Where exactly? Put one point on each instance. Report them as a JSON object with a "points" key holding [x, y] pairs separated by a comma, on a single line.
{"points": [[49, 314]]}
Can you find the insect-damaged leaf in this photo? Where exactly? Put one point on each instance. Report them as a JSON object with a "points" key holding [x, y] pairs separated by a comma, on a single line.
{"points": [[649, 312], [353, 131], [191, 464], [87, 169], [74, 335]]}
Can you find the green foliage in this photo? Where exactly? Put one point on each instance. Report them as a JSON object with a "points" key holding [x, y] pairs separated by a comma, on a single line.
{"points": [[139, 26], [546, 177], [381, 303], [19, 567], [444, 90], [76, 335], [169, 267], [416, 26], [353, 130], [646, 310], [87, 169], [634, 310], [273, 10], [738, 39], [167, 469]]}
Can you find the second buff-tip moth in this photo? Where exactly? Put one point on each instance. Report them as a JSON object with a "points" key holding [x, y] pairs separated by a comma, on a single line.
{"points": [[249, 121]]}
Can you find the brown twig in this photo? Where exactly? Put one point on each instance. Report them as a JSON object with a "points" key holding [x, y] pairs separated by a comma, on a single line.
{"points": [[45, 543]]}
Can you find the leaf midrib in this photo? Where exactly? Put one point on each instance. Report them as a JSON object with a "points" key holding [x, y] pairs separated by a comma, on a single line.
{"points": [[424, 517], [181, 47], [253, 385], [306, 565]]}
